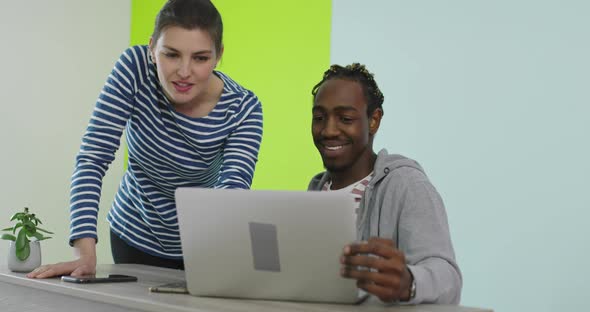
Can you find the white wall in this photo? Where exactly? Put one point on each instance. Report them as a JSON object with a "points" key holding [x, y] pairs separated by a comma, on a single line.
{"points": [[55, 57], [491, 97]]}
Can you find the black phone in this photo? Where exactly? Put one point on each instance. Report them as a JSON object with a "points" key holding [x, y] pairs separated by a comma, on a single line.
{"points": [[111, 278]]}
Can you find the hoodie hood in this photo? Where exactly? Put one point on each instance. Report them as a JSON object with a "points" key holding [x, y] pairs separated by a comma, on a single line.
{"points": [[384, 165]]}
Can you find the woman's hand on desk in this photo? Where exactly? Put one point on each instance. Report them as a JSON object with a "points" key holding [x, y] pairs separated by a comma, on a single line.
{"points": [[78, 267], [84, 265]]}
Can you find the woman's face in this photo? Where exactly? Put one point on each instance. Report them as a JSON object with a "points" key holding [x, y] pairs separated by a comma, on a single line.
{"points": [[185, 60]]}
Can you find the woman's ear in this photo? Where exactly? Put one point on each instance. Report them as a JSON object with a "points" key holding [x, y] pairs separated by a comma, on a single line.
{"points": [[151, 50], [375, 121], [220, 55]]}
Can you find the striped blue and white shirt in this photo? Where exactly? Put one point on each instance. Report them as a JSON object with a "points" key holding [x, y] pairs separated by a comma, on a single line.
{"points": [[167, 150]]}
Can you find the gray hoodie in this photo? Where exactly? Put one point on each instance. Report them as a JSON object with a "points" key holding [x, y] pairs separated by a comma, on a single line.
{"points": [[401, 204]]}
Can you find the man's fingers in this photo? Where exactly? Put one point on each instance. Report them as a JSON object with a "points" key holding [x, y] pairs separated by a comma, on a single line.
{"points": [[365, 276], [375, 263], [381, 250], [385, 294], [384, 241]]}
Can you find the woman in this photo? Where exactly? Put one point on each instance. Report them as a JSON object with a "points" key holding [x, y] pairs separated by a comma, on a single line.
{"points": [[186, 124]]}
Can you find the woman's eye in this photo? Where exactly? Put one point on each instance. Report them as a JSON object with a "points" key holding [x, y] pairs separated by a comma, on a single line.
{"points": [[201, 58], [170, 55]]}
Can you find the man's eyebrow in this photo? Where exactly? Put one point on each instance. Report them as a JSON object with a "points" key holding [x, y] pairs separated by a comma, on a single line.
{"points": [[345, 108], [341, 108]]}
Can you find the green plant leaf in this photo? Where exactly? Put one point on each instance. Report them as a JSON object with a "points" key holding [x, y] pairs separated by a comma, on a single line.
{"points": [[21, 240], [16, 227], [44, 238], [31, 233], [30, 228], [7, 229], [37, 235], [42, 230], [8, 237], [18, 215], [23, 254]]}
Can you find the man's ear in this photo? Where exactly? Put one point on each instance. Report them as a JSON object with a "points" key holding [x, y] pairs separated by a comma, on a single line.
{"points": [[375, 121]]}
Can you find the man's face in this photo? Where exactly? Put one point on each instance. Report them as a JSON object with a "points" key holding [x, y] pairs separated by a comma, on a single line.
{"points": [[341, 130]]}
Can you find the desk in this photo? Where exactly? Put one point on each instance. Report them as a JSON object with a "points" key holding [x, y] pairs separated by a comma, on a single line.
{"points": [[18, 293]]}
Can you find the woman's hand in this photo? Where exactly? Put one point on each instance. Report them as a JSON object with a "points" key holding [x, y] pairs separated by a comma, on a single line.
{"points": [[78, 267], [84, 265]]}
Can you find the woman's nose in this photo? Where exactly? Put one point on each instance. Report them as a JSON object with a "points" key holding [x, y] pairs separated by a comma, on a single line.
{"points": [[184, 69]]}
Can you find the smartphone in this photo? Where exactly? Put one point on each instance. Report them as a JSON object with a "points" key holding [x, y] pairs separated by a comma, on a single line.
{"points": [[112, 278], [174, 288]]}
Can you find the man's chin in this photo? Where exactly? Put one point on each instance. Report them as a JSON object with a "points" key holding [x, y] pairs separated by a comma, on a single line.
{"points": [[331, 166]]}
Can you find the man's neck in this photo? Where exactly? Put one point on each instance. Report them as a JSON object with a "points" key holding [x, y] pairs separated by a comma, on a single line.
{"points": [[362, 168]]}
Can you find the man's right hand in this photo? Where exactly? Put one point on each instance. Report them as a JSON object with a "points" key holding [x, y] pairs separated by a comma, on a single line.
{"points": [[84, 265]]}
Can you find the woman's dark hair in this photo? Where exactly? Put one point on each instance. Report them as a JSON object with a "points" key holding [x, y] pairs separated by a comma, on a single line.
{"points": [[355, 72], [191, 14]]}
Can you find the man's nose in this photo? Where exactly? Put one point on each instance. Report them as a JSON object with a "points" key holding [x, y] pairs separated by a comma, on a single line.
{"points": [[330, 128]]}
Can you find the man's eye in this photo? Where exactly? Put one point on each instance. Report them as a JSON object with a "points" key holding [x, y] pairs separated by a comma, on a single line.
{"points": [[346, 119], [318, 118]]}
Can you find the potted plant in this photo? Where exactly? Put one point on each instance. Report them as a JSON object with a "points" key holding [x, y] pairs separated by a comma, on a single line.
{"points": [[24, 254]]}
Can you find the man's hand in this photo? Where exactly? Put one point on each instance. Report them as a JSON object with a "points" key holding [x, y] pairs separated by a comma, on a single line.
{"points": [[379, 268]]}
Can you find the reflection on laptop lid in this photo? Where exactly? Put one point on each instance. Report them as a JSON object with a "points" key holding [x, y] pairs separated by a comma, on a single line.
{"points": [[278, 245]]}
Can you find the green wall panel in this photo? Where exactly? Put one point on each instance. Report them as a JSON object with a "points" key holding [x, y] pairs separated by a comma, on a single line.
{"points": [[279, 50]]}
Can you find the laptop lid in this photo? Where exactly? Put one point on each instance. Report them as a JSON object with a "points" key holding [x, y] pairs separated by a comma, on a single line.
{"points": [[278, 245]]}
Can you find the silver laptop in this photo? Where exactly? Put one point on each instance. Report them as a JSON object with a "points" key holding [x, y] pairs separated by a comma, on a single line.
{"points": [[277, 245]]}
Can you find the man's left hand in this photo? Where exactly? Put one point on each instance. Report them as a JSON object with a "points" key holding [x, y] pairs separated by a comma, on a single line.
{"points": [[379, 268]]}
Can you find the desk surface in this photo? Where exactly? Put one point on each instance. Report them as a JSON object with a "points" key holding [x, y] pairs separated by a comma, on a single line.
{"points": [[53, 295]]}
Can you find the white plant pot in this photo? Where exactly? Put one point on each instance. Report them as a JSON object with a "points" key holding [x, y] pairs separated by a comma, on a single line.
{"points": [[31, 263]]}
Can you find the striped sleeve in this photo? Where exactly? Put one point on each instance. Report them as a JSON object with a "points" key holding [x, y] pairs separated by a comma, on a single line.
{"points": [[100, 142], [240, 153]]}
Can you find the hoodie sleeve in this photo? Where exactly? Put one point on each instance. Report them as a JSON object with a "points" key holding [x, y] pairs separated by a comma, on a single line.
{"points": [[423, 236]]}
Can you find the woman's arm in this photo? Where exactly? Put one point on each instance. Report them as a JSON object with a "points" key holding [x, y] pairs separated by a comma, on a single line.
{"points": [[240, 153], [99, 144]]}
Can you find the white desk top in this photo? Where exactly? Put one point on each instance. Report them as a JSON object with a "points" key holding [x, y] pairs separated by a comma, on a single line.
{"points": [[136, 296]]}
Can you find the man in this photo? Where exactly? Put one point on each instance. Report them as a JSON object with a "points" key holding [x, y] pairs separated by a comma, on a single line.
{"points": [[405, 252]]}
